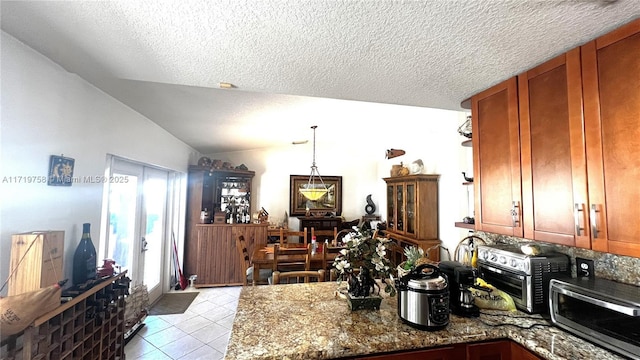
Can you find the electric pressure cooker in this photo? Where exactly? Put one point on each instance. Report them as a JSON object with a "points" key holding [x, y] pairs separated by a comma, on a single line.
{"points": [[423, 298]]}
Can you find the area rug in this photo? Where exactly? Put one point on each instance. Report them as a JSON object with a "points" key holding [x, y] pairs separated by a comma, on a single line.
{"points": [[173, 303]]}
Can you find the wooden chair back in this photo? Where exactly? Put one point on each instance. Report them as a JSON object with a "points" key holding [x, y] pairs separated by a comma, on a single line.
{"points": [[302, 258], [292, 277], [321, 235], [241, 245], [326, 251], [286, 233]]}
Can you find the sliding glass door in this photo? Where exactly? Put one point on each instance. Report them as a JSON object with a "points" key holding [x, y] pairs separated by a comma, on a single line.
{"points": [[138, 236]]}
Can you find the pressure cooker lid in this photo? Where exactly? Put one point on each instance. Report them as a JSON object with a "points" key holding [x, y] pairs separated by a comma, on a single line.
{"points": [[419, 280], [437, 283]]}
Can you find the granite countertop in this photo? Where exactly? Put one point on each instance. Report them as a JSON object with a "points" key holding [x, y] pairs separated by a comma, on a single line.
{"points": [[308, 321]]}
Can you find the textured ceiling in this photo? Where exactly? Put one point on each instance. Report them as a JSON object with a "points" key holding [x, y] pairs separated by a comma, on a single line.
{"points": [[165, 59]]}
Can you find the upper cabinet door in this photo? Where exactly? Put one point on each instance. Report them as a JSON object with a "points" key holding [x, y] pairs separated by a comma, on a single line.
{"points": [[496, 160], [611, 80], [554, 179]]}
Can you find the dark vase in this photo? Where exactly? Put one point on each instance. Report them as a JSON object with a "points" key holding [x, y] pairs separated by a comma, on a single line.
{"points": [[361, 284], [84, 259], [361, 294]]}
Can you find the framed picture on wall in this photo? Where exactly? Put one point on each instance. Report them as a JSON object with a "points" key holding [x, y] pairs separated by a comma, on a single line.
{"points": [[329, 203], [60, 171]]}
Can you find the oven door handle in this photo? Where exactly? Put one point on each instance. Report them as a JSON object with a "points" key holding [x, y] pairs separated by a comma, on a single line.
{"points": [[624, 309]]}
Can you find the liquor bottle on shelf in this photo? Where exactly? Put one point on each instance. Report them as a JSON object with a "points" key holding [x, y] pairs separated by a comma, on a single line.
{"points": [[84, 259], [228, 215]]}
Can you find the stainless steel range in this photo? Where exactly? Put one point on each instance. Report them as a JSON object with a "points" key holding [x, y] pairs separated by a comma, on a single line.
{"points": [[524, 277]]}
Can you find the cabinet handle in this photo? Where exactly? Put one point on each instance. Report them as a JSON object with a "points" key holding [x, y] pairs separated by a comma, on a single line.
{"points": [[594, 221], [576, 216], [515, 213]]}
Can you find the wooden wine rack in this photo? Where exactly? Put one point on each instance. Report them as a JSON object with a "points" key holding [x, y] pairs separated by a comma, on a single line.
{"points": [[87, 327]]}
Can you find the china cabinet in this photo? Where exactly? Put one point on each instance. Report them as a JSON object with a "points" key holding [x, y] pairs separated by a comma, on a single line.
{"points": [[224, 195], [412, 211]]}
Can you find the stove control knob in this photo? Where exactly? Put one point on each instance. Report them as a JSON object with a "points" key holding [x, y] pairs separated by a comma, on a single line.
{"points": [[513, 263], [483, 254], [502, 260], [493, 257]]}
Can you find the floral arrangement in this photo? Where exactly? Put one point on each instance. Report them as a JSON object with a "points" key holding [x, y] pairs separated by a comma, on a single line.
{"points": [[365, 251]]}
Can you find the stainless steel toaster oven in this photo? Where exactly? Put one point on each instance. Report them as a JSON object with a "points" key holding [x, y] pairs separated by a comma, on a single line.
{"points": [[601, 311], [524, 277]]}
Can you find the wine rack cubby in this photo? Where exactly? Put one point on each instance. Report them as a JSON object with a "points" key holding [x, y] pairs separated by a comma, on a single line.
{"points": [[91, 326]]}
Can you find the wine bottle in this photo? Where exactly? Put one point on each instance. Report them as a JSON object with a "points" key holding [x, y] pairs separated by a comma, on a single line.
{"points": [[84, 259]]}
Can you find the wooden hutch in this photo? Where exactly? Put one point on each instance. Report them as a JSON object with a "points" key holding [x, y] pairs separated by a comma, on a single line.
{"points": [[210, 250], [412, 214]]}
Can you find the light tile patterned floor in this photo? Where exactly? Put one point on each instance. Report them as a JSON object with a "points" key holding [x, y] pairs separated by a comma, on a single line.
{"points": [[202, 332]]}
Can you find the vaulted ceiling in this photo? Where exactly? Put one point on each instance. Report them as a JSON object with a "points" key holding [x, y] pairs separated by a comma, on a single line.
{"points": [[289, 59]]}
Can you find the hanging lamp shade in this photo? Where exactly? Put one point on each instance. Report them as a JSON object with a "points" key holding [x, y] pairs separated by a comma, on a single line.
{"points": [[315, 188], [313, 194]]}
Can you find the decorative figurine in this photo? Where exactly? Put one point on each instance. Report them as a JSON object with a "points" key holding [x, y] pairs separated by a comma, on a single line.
{"points": [[391, 153], [362, 284], [370, 208]]}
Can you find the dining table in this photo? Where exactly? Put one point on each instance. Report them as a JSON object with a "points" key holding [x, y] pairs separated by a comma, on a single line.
{"points": [[262, 258]]}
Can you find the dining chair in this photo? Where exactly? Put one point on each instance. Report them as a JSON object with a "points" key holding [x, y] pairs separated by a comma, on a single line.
{"points": [[321, 235], [329, 253], [291, 258], [265, 275], [286, 233], [293, 277]]}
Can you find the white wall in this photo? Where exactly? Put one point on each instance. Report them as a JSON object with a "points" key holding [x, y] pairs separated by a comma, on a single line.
{"points": [[427, 134], [48, 111]]}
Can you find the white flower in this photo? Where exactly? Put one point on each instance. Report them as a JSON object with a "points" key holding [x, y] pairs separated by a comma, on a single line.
{"points": [[378, 263], [364, 250], [380, 250], [342, 265]]}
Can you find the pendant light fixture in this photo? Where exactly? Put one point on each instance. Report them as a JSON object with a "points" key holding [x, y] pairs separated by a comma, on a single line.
{"points": [[314, 190]]}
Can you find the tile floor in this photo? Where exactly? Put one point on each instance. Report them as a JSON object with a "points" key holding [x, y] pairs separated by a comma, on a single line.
{"points": [[202, 332]]}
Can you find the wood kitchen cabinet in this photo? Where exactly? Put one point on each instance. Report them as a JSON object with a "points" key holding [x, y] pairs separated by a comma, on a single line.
{"points": [[453, 352], [611, 82], [518, 352], [412, 212], [495, 350], [554, 173], [569, 137], [496, 160], [491, 350], [217, 259]]}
